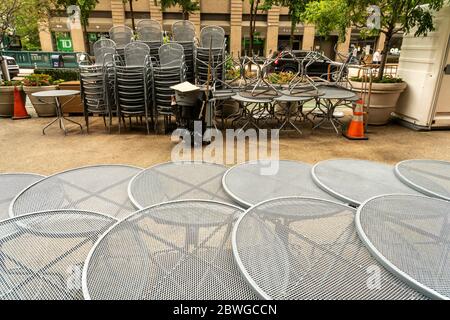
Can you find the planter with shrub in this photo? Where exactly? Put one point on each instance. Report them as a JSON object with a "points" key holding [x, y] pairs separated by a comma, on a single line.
{"points": [[383, 99], [45, 107], [7, 97], [71, 81]]}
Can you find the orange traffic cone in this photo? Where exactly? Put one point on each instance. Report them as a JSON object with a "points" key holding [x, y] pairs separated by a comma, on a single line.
{"points": [[355, 130], [20, 112]]}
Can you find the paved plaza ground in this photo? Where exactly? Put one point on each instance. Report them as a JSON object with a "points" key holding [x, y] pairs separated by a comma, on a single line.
{"points": [[25, 149]]}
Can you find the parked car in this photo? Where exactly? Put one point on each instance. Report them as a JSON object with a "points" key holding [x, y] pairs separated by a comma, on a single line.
{"points": [[317, 64], [13, 68]]}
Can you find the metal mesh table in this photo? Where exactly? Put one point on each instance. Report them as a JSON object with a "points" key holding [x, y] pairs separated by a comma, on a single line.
{"points": [[252, 182], [409, 235], [178, 180], [101, 188], [177, 250], [430, 177], [10, 185], [305, 248], [42, 254], [355, 181]]}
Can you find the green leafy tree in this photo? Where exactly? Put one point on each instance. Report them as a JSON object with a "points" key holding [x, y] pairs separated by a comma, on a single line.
{"points": [[296, 10], [373, 17], [187, 6], [86, 7]]}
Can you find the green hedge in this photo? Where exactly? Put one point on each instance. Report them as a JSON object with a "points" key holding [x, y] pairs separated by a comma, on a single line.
{"points": [[60, 74]]}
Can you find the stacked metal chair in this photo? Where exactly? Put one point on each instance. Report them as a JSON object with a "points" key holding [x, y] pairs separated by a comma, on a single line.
{"points": [[121, 35], [183, 32], [212, 40], [95, 83], [133, 84], [150, 32], [170, 70]]}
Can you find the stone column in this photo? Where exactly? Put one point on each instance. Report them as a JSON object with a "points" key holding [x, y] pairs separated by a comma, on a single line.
{"points": [[236, 27], [309, 34], [76, 33], [155, 11], [195, 19], [273, 22], [45, 36], [343, 47], [118, 12]]}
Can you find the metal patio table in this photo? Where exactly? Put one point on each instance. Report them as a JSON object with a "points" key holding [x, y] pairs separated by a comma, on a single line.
{"points": [[100, 188], [288, 111], [430, 177], [253, 110], [59, 108], [178, 180], [175, 250], [306, 248], [354, 181], [327, 103], [409, 235], [255, 181], [10, 185], [42, 254]]}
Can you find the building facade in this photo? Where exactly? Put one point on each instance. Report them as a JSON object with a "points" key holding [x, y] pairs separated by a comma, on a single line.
{"points": [[272, 27]]}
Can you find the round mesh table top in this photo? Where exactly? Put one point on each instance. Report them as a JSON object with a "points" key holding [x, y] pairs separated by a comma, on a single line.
{"points": [[252, 182], [42, 254], [101, 188], [430, 177], [355, 181], [306, 248], [176, 250], [410, 236], [10, 185], [178, 180]]}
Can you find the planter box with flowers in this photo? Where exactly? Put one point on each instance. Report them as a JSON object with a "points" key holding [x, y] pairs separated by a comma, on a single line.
{"points": [[45, 107], [7, 97]]}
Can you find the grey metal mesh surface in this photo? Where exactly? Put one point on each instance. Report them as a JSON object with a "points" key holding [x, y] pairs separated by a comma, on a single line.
{"points": [[304, 248], [178, 180], [149, 30], [355, 181], [183, 30], [179, 250], [410, 235], [10, 186], [95, 188], [42, 254], [212, 36], [431, 177], [252, 182], [171, 54], [136, 53], [121, 35]]}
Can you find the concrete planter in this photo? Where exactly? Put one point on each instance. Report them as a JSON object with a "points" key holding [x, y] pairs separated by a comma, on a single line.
{"points": [[7, 101], [71, 104], [45, 107], [383, 100]]}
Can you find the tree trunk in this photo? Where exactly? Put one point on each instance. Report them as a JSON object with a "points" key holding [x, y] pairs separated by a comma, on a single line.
{"points": [[384, 54], [291, 39], [132, 14], [185, 15], [86, 38]]}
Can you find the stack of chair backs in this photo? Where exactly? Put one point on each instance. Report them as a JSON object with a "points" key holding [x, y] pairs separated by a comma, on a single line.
{"points": [[211, 47], [133, 83], [183, 32]]}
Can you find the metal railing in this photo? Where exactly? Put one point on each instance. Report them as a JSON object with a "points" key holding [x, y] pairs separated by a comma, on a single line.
{"points": [[41, 59]]}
